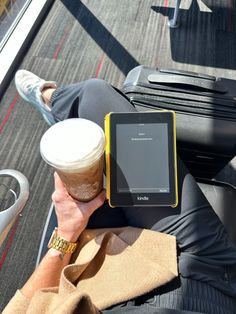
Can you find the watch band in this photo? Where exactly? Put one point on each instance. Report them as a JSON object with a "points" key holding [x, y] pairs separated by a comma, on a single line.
{"points": [[60, 244]]}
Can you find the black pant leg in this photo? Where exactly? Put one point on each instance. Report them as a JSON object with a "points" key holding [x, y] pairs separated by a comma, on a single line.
{"points": [[205, 251], [91, 99]]}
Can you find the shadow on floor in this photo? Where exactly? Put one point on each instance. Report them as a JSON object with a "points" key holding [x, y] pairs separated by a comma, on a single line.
{"points": [[205, 38], [101, 35]]}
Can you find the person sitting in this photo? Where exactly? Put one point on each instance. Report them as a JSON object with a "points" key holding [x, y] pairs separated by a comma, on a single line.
{"points": [[126, 258]]}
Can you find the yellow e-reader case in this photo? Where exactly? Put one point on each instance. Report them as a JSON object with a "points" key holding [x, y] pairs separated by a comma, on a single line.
{"points": [[131, 198]]}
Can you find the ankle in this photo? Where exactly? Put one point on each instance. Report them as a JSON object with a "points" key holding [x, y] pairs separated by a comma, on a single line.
{"points": [[46, 94]]}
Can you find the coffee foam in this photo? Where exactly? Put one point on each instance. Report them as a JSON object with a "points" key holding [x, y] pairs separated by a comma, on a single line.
{"points": [[72, 144]]}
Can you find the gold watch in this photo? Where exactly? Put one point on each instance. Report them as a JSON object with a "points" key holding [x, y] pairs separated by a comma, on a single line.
{"points": [[60, 244]]}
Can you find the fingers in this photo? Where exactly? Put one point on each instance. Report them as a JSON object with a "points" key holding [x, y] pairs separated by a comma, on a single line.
{"points": [[95, 203], [61, 194]]}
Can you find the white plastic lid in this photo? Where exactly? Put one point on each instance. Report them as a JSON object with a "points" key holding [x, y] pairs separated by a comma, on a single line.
{"points": [[72, 144]]}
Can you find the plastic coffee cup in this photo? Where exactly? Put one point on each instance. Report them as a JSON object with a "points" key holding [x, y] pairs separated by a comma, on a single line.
{"points": [[74, 148]]}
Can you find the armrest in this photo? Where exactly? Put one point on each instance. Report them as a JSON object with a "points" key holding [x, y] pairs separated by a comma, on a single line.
{"points": [[9, 215], [222, 197]]}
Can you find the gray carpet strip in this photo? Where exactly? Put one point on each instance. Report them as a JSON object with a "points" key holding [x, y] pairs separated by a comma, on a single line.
{"points": [[105, 39]]}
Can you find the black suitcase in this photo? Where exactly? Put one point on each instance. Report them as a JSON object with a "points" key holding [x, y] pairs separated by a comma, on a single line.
{"points": [[205, 109]]}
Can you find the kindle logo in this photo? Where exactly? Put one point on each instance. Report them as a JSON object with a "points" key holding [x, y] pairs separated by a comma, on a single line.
{"points": [[142, 198]]}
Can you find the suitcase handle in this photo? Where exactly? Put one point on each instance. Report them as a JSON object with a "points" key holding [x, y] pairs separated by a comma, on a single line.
{"points": [[210, 85], [188, 73]]}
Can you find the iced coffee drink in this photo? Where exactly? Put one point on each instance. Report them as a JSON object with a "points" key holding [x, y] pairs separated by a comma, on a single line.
{"points": [[75, 147]]}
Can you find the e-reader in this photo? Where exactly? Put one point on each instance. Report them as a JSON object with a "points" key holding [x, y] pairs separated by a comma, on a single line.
{"points": [[141, 162]]}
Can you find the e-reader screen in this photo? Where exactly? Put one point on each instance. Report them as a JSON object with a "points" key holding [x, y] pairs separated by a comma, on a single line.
{"points": [[142, 158]]}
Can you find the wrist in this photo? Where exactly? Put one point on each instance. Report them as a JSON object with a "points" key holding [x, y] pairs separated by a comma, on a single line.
{"points": [[68, 235], [55, 254]]}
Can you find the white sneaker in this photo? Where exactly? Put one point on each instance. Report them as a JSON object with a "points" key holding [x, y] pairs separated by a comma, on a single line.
{"points": [[29, 87]]}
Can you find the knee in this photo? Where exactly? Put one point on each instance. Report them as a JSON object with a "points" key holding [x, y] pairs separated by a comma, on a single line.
{"points": [[94, 94], [96, 85]]}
